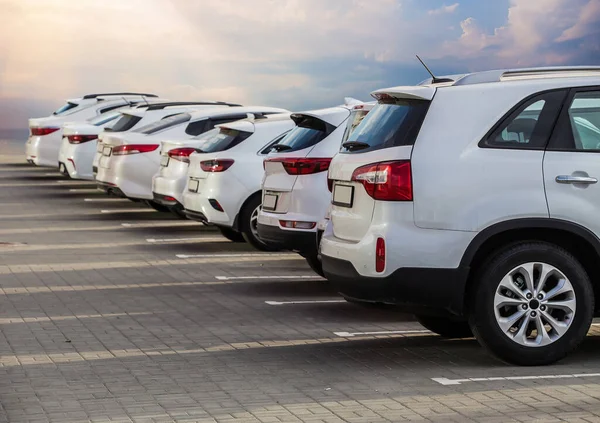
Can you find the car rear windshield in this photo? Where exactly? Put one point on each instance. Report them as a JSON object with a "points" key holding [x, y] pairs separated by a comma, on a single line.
{"points": [[65, 108], [125, 123], [356, 117], [307, 132], [165, 123], [390, 124], [104, 118], [221, 139]]}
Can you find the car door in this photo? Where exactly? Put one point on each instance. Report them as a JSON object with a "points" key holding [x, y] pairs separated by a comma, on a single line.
{"points": [[572, 161]]}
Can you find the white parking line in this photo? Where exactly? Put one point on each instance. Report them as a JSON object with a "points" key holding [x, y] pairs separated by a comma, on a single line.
{"points": [[57, 173], [45, 229], [15, 248], [148, 210], [74, 182], [384, 332], [187, 256], [278, 303], [103, 200], [293, 257], [88, 190], [158, 224], [198, 239], [446, 381]]}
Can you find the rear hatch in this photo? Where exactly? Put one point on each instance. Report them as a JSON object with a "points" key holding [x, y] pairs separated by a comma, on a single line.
{"points": [[374, 162], [287, 158], [212, 144]]}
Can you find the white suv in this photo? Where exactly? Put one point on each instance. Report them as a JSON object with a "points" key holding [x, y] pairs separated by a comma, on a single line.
{"points": [[295, 188], [474, 203]]}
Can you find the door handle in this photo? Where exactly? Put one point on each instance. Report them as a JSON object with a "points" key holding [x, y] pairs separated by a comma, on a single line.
{"points": [[570, 179]]}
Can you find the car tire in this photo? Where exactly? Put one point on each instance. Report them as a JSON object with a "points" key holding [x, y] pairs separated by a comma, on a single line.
{"points": [[158, 207], [445, 326], [315, 264], [248, 224], [231, 234], [539, 279]]}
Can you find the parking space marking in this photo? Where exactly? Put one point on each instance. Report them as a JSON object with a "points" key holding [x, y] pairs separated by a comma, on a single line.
{"points": [[159, 240], [70, 267], [88, 190], [77, 213], [159, 224], [165, 224], [79, 246], [278, 303], [383, 332], [9, 320], [74, 182], [57, 173], [140, 210], [187, 256], [106, 200], [288, 256], [447, 382]]}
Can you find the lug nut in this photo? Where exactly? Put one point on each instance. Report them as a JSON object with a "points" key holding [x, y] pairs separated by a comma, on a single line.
{"points": [[540, 297], [524, 306], [543, 308], [533, 314], [529, 296]]}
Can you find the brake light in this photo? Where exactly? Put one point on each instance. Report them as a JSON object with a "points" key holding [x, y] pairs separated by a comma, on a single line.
{"points": [[216, 165], [294, 224], [43, 131], [182, 154], [387, 181], [302, 165], [80, 139], [124, 150], [380, 255]]}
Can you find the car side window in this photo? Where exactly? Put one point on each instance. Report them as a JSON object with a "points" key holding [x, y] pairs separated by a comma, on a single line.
{"points": [[269, 147], [529, 125], [197, 128], [584, 119]]}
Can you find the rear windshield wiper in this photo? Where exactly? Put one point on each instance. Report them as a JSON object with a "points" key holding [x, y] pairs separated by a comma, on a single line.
{"points": [[355, 145], [281, 147]]}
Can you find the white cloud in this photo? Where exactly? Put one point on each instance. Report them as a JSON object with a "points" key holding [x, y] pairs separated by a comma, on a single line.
{"points": [[444, 9]]}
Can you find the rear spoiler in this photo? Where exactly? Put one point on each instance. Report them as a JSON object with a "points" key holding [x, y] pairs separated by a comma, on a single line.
{"points": [[161, 106], [406, 92], [89, 96]]}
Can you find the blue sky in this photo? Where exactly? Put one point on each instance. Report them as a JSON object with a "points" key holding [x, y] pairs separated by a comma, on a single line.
{"points": [[299, 54]]}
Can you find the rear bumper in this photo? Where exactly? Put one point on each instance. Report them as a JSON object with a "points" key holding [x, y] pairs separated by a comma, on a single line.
{"points": [[166, 200], [110, 189], [302, 241], [195, 215], [429, 290]]}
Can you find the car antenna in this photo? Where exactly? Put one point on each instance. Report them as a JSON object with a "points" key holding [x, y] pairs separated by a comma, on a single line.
{"points": [[434, 79]]}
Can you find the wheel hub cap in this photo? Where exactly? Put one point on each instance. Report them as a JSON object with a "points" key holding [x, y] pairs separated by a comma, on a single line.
{"points": [[535, 304]]}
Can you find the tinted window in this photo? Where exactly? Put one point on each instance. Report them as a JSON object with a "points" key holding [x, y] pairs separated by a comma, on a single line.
{"points": [[66, 107], [529, 125], [108, 109], [269, 146], [196, 128], [389, 124], [307, 132], [104, 118], [223, 139], [125, 123], [356, 117], [580, 129], [166, 123]]}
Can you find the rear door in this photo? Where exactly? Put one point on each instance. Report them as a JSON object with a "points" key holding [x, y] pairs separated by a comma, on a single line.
{"points": [[387, 133], [572, 161]]}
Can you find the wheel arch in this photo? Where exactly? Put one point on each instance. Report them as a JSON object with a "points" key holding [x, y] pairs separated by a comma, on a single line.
{"points": [[236, 221], [573, 237]]}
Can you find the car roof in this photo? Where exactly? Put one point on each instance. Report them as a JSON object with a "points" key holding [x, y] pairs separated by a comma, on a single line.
{"points": [[224, 111]]}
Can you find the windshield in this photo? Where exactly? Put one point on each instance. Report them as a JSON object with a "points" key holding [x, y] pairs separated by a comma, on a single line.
{"points": [[356, 117], [308, 132], [104, 118], [65, 108], [388, 125], [221, 139], [165, 123]]}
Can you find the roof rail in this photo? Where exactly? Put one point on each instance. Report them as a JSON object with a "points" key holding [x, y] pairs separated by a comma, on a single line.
{"points": [[557, 71], [160, 106], [88, 96]]}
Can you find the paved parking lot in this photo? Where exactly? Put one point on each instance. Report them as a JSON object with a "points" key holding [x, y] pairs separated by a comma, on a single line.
{"points": [[111, 312]]}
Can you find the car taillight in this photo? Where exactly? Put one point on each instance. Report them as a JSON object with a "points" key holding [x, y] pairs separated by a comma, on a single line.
{"points": [[182, 154], [380, 255], [43, 131], [294, 224], [123, 150], [79, 139], [387, 181], [216, 165], [302, 165]]}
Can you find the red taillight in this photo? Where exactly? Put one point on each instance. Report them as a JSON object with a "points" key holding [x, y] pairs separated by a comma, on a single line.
{"points": [[43, 131], [380, 255], [302, 165], [182, 154], [387, 181], [123, 150], [79, 139], [294, 224], [217, 165]]}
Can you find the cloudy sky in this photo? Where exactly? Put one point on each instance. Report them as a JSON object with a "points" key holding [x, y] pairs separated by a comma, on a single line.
{"points": [[298, 54]]}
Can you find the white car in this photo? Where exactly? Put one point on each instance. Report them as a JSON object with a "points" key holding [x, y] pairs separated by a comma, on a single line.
{"points": [[45, 138], [142, 115], [79, 145], [295, 188], [131, 159], [474, 203], [223, 185]]}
